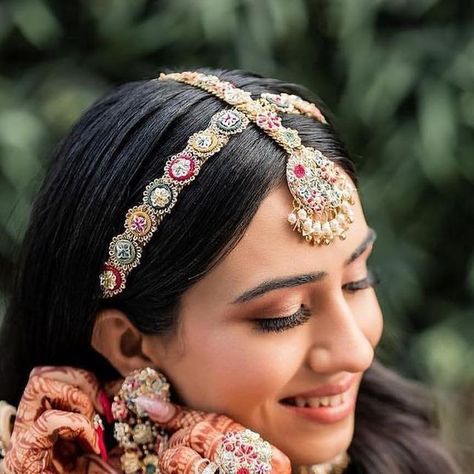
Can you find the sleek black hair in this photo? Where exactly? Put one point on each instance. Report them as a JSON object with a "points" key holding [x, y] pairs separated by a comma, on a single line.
{"points": [[98, 172]]}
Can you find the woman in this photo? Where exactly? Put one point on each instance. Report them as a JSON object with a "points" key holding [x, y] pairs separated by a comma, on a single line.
{"points": [[271, 325]]}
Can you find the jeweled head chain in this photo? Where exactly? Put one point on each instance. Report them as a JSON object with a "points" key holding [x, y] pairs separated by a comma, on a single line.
{"points": [[322, 194]]}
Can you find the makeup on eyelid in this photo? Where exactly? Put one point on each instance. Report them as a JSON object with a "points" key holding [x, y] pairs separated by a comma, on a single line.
{"points": [[282, 323]]}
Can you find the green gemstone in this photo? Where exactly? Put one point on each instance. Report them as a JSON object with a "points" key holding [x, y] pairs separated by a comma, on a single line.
{"points": [[150, 469], [125, 252], [292, 138]]}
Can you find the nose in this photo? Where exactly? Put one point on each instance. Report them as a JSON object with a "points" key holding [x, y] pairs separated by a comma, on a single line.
{"points": [[339, 343]]}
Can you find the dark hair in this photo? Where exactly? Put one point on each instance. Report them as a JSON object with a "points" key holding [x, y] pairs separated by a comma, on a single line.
{"points": [[98, 172]]}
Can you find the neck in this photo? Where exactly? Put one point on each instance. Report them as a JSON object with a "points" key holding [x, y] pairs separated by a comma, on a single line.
{"points": [[335, 466]]}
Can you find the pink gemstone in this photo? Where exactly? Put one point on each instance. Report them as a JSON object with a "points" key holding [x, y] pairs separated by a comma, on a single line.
{"points": [[268, 120], [299, 171], [182, 167], [139, 224], [243, 470]]}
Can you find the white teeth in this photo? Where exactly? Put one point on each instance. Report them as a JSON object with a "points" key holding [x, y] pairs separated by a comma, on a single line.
{"points": [[300, 402], [335, 400], [314, 402], [324, 401]]}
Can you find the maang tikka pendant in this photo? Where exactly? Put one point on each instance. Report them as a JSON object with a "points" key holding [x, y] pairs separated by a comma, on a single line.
{"points": [[322, 195], [142, 441]]}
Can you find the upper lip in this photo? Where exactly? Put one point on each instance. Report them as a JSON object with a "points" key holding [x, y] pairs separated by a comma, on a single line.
{"points": [[328, 389]]}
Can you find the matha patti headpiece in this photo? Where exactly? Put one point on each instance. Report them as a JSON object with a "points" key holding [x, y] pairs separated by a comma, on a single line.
{"points": [[322, 194]]}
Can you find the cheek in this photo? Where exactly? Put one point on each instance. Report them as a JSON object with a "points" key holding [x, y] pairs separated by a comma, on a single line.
{"points": [[233, 370], [370, 318]]}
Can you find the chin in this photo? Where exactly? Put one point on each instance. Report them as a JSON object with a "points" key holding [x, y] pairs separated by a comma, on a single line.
{"points": [[319, 449]]}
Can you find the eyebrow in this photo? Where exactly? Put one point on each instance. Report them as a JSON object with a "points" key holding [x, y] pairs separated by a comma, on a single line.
{"points": [[292, 281], [369, 240]]}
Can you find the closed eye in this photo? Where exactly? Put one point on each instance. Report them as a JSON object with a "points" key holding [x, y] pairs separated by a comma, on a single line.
{"points": [[284, 322], [369, 281], [303, 315]]}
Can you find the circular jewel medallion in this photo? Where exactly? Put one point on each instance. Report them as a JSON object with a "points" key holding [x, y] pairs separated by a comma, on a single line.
{"points": [[268, 120], [234, 96], [111, 279], [159, 195], [141, 222], [123, 251], [205, 142], [182, 167], [280, 101], [230, 121], [289, 137]]}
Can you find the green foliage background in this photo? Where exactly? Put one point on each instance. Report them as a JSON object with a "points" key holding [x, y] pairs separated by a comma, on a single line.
{"points": [[399, 77]]}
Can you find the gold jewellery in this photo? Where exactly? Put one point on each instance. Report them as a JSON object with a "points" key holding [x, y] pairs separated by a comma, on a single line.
{"points": [[322, 193], [337, 466], [141, 440]]}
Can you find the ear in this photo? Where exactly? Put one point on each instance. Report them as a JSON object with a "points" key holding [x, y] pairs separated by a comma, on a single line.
{"points": [[120, 342]]}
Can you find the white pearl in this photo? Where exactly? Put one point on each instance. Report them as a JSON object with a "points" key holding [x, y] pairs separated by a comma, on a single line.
{"points": [[317, 227], [326, 228], [341, 218], [334, 225], [302, 214], [292, 218], [308, 225]]}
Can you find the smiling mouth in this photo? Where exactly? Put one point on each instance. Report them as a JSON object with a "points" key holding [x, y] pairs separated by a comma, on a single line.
{"points": [[325, 396], [315, 402], [322, 410]]}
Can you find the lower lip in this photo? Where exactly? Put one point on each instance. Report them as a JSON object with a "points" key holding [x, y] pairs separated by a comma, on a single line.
{"points": [[325, 415]]}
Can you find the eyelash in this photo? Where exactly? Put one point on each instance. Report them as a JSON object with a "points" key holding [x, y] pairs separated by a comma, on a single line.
{"points": [[303, 314]]}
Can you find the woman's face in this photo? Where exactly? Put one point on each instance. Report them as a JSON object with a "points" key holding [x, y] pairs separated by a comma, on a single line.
{"points": [[220, 361]]}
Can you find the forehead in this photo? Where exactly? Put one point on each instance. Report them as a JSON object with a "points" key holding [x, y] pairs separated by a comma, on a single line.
{"points": [[271, 249]]}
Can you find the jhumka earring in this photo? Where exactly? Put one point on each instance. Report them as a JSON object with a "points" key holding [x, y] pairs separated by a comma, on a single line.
{"points": [[142, 441]]}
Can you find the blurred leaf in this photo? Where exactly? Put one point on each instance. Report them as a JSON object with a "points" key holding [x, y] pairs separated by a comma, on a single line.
{"points": [[446, 355], [437, 120], [467, 108], [36, 21], [64, 95], [115, 16], [20, 129], [211, 14]]}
